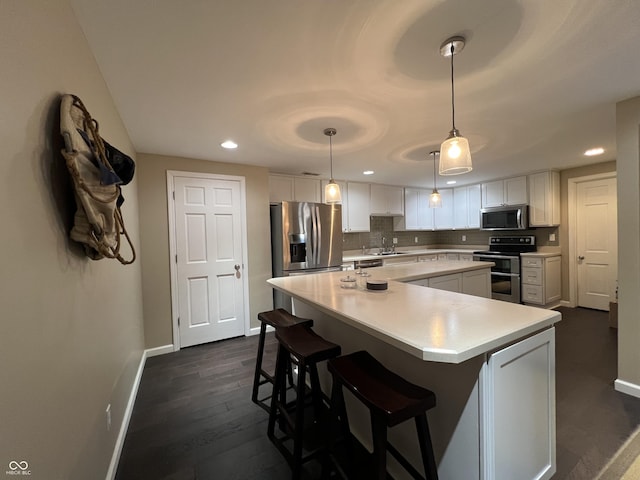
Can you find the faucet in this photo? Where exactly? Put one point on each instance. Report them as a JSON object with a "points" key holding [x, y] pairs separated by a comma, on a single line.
{"points": [[383, 248]]}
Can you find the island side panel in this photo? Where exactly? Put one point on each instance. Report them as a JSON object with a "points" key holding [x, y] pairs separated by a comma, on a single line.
{"points": [[454, 422]]}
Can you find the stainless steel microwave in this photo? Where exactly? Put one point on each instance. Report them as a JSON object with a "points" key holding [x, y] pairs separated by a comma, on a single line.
{"points": [[508, 217]]}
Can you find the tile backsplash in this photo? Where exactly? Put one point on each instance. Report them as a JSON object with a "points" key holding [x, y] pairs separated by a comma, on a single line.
{"points": [[382, 227]]}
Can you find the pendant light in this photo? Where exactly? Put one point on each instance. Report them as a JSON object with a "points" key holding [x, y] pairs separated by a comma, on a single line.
{"points": [[455, 156], [435, 199], [332, 189]]}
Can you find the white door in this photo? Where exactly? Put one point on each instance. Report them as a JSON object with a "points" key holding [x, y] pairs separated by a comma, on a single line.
{"points": [[209, 259], [596, 243]]}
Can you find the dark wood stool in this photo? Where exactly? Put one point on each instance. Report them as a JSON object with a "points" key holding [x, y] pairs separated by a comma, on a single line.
{"points": [[278, 318], [306, 348], [391, 400]]}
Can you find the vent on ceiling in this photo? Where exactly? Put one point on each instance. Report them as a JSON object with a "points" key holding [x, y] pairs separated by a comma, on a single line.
{"points": [[311, 174]]}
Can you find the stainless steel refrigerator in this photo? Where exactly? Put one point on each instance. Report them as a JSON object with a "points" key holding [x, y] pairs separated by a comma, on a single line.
{"points": [[305, 238]]}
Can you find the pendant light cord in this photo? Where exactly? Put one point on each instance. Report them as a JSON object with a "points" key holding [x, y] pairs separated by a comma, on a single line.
{"points": [[331, 155], [453, 104], [434, 172]]}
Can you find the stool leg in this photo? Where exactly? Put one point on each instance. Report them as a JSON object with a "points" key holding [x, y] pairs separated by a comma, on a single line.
{"points": [[339, 425], [299, 422], [316, 391], [278, 385], [379, 434], [426, 448], [256, 376]]}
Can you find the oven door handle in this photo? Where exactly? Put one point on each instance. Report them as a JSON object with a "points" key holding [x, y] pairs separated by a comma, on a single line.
{"points": [[487, 258], [499, 274]]}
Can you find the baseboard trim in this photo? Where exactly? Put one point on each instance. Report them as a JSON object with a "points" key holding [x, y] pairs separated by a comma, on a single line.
{"points": [[154, 352], [124, 426], [256, 330], [627, 387]]}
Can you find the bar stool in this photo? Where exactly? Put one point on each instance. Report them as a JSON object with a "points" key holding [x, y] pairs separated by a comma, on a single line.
{"points": [[278, 318], [391, 400], [307, 349]]}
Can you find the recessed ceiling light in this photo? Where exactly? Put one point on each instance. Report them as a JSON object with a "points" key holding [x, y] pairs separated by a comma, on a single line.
{"points": [[229, 144], [368, 172], [594, 151], [451, 182]]}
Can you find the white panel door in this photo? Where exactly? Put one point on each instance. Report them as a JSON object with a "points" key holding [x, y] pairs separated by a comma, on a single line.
{"points": [[597, 243], [209, 259]]}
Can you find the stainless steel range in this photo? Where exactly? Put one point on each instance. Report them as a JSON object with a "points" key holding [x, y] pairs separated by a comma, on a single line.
{"points": [[505, 275]]}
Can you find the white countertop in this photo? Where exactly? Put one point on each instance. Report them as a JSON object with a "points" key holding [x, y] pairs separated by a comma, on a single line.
{"points": [[350, 256], [541, 254], [406, 272], [433, 325]]}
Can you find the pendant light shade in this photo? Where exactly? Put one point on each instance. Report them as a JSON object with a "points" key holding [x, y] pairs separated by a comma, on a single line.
{"points": [[332, 189], [455, 155], [435, 199]]}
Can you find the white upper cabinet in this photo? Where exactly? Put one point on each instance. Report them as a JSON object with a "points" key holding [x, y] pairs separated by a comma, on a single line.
{"points": [[358, 211], [280, 188], [387, 200], [286, 188], [417, 214], [544, 199], [466, 207], [510, 191], [307, 189], [474, 204], [443, 216]]}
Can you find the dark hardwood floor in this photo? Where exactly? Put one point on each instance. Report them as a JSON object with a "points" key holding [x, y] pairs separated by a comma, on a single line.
{"points": [[193, 417]]}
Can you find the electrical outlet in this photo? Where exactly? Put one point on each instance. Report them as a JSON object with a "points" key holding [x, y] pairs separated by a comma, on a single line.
{"points": [[108, 414], [552, 237], [464, 238], [395, 241], [415, 239]]}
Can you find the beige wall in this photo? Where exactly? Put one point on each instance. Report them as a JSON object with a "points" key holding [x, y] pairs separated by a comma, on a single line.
{"points": [[71, 333], [565, 176], [628, 146], [152, 171]]}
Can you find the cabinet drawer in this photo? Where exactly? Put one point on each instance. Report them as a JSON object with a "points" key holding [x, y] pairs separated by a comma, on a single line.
{"points": [[532, 294], [442, 256], [532, 276], [428, 258], [531, 262], [466, 257]]}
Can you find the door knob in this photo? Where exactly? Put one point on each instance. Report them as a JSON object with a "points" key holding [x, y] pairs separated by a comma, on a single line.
{"points": [[580, 258], [237, 267]]}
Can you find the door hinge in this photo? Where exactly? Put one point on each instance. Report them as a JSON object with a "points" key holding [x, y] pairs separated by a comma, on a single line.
{"points": [[178, 321], [174, 194], [176, 258]]}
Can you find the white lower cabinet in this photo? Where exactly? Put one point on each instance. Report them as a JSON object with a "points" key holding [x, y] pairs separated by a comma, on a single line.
{"points": [[450, 283], [518, 407], [399, 259], [541, 280], [476, 282]]}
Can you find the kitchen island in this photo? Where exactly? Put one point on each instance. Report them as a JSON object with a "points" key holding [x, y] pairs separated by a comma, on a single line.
{"points": [[490, 363]]}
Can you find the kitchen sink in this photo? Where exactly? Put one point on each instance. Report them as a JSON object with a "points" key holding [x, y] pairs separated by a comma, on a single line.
{"points": [[391, 253]]}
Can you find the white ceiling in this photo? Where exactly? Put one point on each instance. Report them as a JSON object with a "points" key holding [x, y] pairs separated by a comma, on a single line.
{"points": [[536, 84]]}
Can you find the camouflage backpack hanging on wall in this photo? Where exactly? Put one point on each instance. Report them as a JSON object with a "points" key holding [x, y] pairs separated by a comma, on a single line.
{"points": [[97, 170]]}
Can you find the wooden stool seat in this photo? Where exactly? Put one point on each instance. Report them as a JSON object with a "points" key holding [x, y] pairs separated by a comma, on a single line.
{"points": [[306, 349], [278, 318], [391, 400]]}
